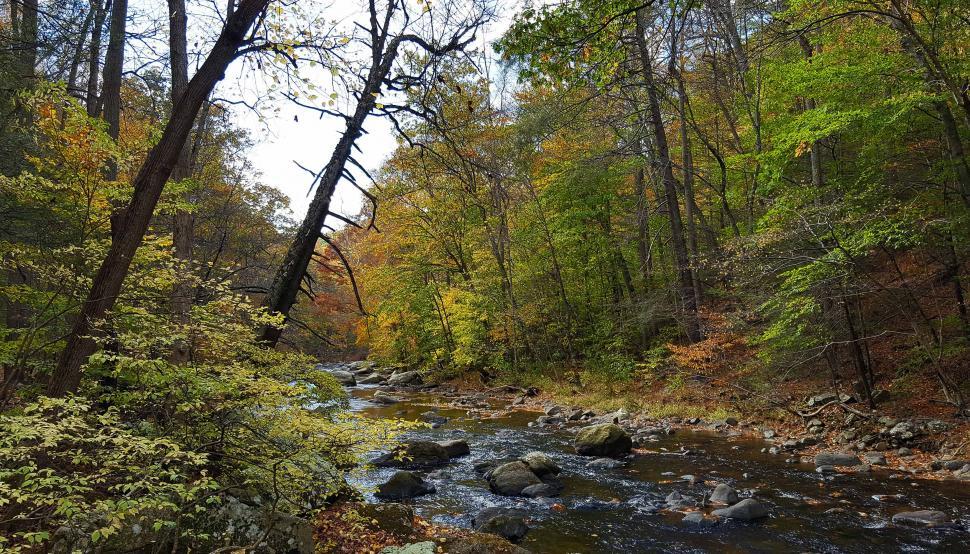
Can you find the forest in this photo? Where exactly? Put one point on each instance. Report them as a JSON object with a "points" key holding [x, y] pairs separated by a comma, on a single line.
{"points": [[708, 209]]}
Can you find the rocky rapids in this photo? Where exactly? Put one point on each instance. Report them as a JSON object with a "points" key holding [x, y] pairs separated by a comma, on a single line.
{"points": [[572, 481]]}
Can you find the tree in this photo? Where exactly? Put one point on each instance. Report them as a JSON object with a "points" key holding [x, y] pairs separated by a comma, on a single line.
{"points": [[592, 30], [384, 46], [114, 63], [148, 185], [182, 229]]}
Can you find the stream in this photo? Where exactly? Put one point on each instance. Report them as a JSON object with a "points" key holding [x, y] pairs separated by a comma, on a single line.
{"points": [[608, 510]]}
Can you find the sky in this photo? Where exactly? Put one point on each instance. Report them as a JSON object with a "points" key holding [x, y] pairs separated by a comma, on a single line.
{"points": [[280, 140]]}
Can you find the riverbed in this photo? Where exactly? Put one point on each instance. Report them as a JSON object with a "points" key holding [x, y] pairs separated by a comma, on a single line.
{"points": [[614, 510]]}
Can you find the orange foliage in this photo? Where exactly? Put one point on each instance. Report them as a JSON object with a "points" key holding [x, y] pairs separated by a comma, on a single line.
{"points": [[719, 353]]}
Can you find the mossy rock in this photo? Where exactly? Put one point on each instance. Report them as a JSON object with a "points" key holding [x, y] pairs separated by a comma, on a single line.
{"points": [[605, 439]]}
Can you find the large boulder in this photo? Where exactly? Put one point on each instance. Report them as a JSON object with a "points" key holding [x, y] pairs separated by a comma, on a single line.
{"points": [[510, 479], [405, 378], [345, 378], [415, 454], [373, 379], [390, 517], [384, 398], [403, 485], [836, 459], [456, 448], [748, 509], [927, 518], [541, 464], [605, 439], [507, 524]]}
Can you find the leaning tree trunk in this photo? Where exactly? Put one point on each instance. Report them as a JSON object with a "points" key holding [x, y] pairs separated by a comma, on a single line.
{"points": [[148, 185], [687, 296], [286, 284], [79, 52]]}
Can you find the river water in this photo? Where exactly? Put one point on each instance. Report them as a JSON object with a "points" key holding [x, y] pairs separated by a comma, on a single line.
{"points": [[606, 510]]}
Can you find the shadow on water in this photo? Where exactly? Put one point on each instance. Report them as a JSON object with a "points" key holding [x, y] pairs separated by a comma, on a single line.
{"points": [[609, 511]]}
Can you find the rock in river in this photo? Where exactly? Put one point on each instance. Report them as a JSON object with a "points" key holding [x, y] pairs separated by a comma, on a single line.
{"points": [[542, 490], [456, 448], [748, 509], [511, 479], [403, 485], [677, 501], [928, 518], [432, 417], [481, 543], [405, 378], [541, 464], [605, 463], [373, 379], [416, 454], [724, 494], [836, 459], [345, 378], [605, 439], [508, 524], [697, 518], [384, 398]]}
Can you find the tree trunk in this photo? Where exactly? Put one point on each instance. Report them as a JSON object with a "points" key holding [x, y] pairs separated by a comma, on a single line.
{"points": [[687, 158], [148, 185], [911, 43], [643, 228], [79, 52], [815, 154], [286, 283], [30, 37], [682, 263], [954, 144], [113, 67], [183, 227], [94, 57], [15, 19]]}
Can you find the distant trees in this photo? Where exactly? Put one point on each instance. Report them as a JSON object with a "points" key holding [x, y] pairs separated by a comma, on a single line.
{"points": [[728, 148]]}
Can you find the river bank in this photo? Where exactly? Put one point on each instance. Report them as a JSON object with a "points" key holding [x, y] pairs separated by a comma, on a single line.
{"points": [[913, 436]]}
